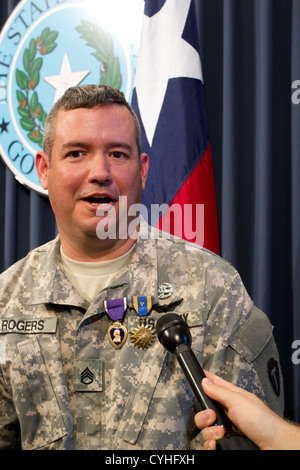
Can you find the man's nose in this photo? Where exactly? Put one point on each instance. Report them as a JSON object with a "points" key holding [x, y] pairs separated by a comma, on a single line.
{"points": [[99, 169]]}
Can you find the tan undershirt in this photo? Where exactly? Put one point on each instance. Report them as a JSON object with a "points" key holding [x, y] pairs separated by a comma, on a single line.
{"points": [[89, 278]]}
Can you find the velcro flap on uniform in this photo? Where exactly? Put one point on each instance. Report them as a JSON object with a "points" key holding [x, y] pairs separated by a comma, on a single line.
{"points": [[250, 339]]}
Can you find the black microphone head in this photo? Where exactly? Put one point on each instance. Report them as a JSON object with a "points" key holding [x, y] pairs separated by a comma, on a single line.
{"points": [[172, 331]]}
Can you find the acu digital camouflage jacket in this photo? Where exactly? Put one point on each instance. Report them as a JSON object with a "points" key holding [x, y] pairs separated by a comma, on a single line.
{"points": [[64, 386]]}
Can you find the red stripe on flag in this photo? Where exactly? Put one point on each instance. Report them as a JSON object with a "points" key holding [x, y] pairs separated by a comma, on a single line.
{"points": [[192, 215]]}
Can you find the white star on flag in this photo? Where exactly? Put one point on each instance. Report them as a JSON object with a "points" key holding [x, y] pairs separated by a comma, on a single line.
{"points": [[162, 32], [66, 78]]}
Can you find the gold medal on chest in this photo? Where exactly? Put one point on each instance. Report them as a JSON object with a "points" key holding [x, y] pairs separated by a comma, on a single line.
{"points": [[117, 334], [142, 336]]}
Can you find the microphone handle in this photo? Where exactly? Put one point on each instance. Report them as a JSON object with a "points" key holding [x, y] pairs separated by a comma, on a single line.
{"points": [[194, 374]]}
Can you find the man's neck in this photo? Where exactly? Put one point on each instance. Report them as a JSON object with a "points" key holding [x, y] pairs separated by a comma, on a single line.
{"points": [[93, 251]]}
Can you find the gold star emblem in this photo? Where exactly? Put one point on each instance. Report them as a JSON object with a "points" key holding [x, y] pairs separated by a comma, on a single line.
{"points": [[142, 336]]}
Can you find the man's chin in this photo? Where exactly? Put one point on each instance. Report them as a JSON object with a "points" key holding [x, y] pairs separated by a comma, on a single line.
{"points": [[102, 232]]}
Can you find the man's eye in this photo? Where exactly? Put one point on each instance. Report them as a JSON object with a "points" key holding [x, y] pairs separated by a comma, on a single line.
{"points": [[118, 155], [75, 153]]}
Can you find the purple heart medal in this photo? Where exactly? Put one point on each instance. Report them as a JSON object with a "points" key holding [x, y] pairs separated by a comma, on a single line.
{"points": [[117, 333]]}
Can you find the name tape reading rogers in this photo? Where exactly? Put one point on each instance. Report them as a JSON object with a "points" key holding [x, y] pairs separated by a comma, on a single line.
{"points": [[28, 325]]}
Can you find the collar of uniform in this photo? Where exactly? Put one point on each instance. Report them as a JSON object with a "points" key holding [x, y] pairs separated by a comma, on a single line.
{"points": [[138, 277], [51, 283]]}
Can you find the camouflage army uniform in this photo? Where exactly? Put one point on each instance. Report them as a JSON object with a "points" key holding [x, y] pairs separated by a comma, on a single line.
{"points": [[138, 398]]}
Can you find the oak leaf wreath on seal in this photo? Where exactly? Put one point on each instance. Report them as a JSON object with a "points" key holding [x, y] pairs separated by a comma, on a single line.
{"points": [[102, 42], [32, 114]]}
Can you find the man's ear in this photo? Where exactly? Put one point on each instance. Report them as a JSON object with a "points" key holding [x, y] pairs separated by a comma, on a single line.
{"points": [[144, 165], [42, 168]]}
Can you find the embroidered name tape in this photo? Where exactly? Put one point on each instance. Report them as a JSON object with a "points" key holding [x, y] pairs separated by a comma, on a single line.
{"points": [[28, 325]]}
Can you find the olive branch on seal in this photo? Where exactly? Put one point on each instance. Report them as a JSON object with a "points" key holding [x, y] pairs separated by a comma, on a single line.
{"points": [[32, 114], [102, 42]]}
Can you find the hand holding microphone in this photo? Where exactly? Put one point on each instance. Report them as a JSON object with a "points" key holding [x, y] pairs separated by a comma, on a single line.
{"points": [[174, 334], [249, 413]]}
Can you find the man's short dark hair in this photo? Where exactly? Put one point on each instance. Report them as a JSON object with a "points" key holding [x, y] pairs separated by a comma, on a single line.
{"points": [[86, 96]]}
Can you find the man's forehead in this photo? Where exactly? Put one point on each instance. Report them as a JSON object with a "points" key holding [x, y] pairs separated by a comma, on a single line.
{"points": [[106, 117], [119, 129]]}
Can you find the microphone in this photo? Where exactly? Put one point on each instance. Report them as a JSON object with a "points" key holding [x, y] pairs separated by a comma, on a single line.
{"points": [[175, 336]]}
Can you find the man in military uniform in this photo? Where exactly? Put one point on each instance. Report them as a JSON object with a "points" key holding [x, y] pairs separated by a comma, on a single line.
{"points": [[80, 365]]}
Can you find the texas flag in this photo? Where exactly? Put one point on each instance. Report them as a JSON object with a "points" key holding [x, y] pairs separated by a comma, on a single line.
{"points": [[168, 98]]}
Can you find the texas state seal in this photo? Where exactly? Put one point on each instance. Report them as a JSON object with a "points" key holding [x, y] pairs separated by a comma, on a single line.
{"points": [[47, 46]]}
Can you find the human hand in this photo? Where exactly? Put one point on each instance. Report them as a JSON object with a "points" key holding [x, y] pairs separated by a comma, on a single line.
{"points": [[248, 414]]}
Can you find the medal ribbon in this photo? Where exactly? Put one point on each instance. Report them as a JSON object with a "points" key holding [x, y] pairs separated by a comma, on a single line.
{"points": [[142, 304], [115, 308]]}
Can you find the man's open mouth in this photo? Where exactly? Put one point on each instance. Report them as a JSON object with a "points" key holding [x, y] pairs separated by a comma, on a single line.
{"points": [[99, 200]]}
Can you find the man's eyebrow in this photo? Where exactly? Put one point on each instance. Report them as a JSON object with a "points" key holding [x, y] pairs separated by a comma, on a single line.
{"points": [[120, 144], [110, 145], [73, 144]]}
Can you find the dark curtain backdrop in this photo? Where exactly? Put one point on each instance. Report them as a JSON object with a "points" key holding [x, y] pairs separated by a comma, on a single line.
{"points": [[250, 52]]}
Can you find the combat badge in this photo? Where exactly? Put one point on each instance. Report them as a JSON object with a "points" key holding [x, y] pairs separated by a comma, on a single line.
{"points": [[165, 290]]}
